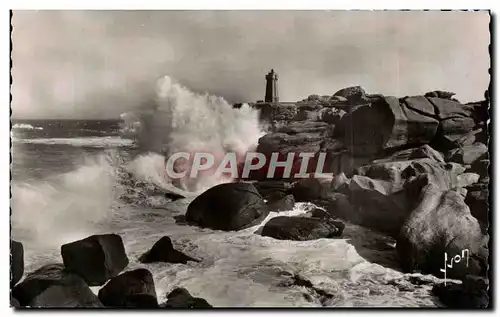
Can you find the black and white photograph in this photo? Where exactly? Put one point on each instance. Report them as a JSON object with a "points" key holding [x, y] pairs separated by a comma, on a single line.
{"points": [[205, 159]]}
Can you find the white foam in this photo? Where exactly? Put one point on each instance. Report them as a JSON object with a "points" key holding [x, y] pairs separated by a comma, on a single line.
{"points": [[67, 206], [97, 142], [25, 126], [185, 121]]}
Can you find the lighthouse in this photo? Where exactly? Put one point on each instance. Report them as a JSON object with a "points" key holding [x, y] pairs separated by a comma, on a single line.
{"points": [[271, 87]]}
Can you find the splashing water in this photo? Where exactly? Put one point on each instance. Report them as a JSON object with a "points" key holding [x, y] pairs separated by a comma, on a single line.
{"points": [[67, 206], [184, 121]]}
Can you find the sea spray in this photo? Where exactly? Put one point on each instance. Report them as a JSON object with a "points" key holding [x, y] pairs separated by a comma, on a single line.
{"points": [[185, 121], [67, 206]]}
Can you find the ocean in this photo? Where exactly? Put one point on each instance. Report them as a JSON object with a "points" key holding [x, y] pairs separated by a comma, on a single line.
{"points": [[68, 183]]}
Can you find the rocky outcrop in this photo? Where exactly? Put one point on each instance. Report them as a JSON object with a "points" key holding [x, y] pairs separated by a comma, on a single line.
{"points": [[472, 293], [276, 112], [309, 190], [445, 176], [302, 228], [228, 207], [284, 143], [331, 115], [440, 94], [354, 95], [180, 298], [441, 222], [278, 202], [468, 154], [304, 127], [371, 203], [53, 286], [269, 188], [163, 251], [386, 124], [132, 289], [16, 262], [477, 200], [96, 258], [425, 151]]}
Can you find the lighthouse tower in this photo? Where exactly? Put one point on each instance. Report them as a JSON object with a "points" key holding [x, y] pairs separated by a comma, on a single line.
{"points": [[271, 87]]}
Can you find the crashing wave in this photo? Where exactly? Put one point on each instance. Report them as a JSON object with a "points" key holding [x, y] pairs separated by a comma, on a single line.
{"points": [[25, 126], [185, 121]]}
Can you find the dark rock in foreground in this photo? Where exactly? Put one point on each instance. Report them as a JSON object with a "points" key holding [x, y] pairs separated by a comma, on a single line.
{"points": [[180, 298], [163, 251], [309, 189], [228, 207], [477, 200], [130, 289], [53, 286], [14, 302], [269, 188], [302, 228], [16, 262], [375, 204], [96, 258], [472, 293], [281, 203], [441, 222]]}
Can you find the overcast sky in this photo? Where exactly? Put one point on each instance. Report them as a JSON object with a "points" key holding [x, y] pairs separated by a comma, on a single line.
{"points": [[98, 64]]}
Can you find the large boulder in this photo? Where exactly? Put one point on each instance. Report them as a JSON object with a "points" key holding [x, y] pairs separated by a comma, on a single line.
{"points": [[163, 251], [278, 202], [53, 286], [468, 154], [374, 204], [228, 207], [444, 175], [386, 124], [441, 225], [302, 228], [16, 262], [447, 108], [344, 162], [309, 190], [420, 104], [331, 115], [447, 142], [425, 151], [477, 200], [96, 258], [180, 298], [472, 293], [130, 289], [273, 188], [440, 94], [355, 94]]}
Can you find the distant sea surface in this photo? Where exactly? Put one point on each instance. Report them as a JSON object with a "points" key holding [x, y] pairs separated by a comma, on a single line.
{"points": [[41, 148]]}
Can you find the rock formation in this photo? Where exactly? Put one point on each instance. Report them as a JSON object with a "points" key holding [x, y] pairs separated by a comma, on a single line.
{"points": [[96, 258]]}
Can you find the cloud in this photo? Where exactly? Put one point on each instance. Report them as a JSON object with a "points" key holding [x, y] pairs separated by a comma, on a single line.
{"points": [[98, 64]]}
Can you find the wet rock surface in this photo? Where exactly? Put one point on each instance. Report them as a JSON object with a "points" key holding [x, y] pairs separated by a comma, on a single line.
{"points": [[53, 286], [96, 258], [228, 207]]}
